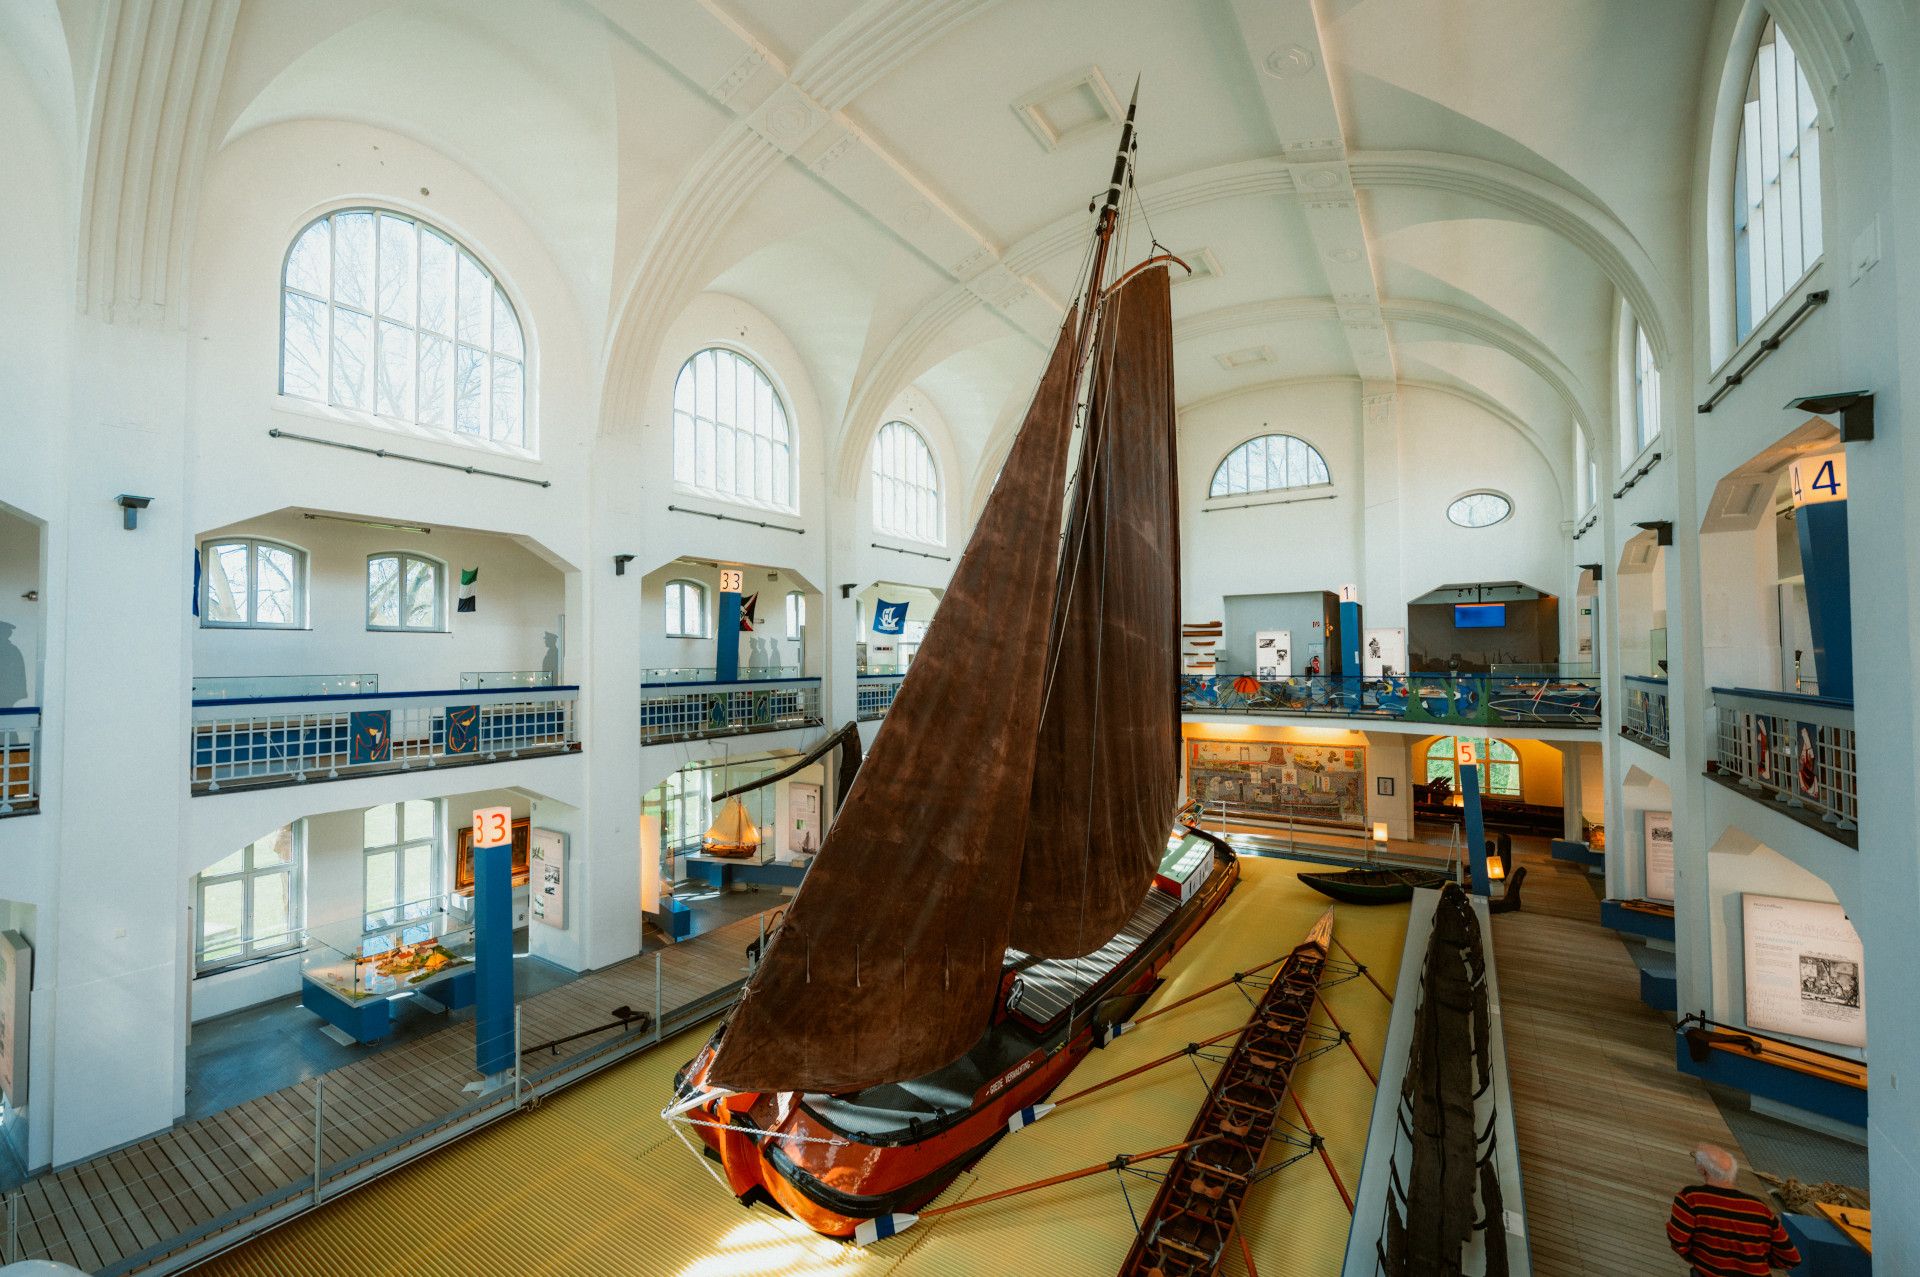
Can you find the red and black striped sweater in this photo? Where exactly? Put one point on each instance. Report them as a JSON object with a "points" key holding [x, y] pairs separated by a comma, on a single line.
{"points": [[1723, 1232]]}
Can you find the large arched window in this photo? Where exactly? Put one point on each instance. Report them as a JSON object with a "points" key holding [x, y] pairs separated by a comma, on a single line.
{"points": [[382, 313], [1269, 463], [730, 432], [906, 485], [1499, 771], [1776, 182]]}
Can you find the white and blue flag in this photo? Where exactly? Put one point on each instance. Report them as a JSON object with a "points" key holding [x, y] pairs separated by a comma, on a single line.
{"points": [[889, 618]]}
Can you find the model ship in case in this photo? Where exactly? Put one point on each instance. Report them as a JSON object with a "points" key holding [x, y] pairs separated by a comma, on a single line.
{"points": [[985, 908]]}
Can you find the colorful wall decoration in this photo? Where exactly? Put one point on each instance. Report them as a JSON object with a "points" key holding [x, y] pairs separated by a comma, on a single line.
{"points": [[1272, 780]]}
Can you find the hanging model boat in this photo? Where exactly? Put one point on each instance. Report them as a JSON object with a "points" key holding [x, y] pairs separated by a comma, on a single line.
{"points": [[732, 832], [984, 910], [1374, 886]]}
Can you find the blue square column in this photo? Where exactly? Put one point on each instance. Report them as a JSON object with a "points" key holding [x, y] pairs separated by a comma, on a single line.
{"points": [[1476, 829], [726, 642], [1822, 529], [493, 1037]]}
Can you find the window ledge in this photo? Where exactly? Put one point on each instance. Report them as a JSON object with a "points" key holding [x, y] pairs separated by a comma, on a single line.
{"points": [[1758, 333], [259, 960], [1271, 496], [388, 426], [1636, 461], [741, 503]]}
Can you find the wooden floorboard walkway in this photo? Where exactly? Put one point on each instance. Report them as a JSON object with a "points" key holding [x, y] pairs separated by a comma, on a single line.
{"points": [[1607, 1124], [127, 1210]]}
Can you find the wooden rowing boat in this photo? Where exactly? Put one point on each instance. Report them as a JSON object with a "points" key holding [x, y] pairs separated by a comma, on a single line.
{"points": [[1374, 886]]}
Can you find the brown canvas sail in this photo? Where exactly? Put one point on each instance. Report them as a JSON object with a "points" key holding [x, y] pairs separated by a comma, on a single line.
{"points": [[1107, 774], [888, 962]]}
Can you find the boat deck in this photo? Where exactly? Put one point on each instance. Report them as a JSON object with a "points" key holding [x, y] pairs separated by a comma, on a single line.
{"points": [[592, 1182]]}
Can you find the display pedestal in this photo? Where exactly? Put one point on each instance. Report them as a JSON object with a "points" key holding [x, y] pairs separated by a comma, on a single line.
{"points": [[370, 1019]]}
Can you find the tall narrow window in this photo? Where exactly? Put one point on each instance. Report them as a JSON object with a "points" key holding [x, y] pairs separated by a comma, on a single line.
{"points": [[384, 314], [906, 485], [404, 592], [686, 609], [1586, 474], [246, 582], [1776, 182], [730, 432], [1269, 463], [796, 613], [1646, 392], [401, 842], [249, 906]]}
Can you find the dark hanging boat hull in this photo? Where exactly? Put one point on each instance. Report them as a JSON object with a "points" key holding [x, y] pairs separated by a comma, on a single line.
{"points": [[832, 1162], [1373, 886]]}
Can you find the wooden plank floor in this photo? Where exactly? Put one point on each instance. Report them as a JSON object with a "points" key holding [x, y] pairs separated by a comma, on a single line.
{"points": [[1607, 1124], [115, 1211]]}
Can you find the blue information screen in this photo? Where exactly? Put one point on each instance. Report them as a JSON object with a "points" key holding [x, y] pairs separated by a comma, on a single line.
{"points": [[1479, 616]]}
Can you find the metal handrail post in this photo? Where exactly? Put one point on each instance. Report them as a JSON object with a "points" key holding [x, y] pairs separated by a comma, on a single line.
{"points": [[319, 1123], [659, 1025]]}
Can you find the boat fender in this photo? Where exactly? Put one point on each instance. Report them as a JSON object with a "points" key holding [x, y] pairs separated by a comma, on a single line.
{"points": [[869, 1231], [1105, 1033], [1028, 1116]]}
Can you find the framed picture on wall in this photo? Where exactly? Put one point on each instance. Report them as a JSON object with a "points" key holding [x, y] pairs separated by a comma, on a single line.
{"points": [[1383, 786], [463, 855]]}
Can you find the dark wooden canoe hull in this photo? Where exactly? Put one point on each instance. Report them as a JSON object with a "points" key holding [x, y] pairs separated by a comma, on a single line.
{"points": [[1373, 886]]}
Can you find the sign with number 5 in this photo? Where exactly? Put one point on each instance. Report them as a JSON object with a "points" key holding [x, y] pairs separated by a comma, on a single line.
{"points": [[492, 826]]}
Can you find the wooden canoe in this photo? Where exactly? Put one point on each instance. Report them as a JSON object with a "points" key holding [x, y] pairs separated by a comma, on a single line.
{"points": [[1373, 886]]}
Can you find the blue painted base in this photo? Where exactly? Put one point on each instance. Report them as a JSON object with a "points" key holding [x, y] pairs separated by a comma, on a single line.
{"points": [[1615, 916], [1661, 992], [1825, 1249], [679, 920], [1578, 852], [367, 1020], [1770, 1081], [725, 873]]}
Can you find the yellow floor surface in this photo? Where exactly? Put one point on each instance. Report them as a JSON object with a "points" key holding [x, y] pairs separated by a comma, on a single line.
{"points": [[592, 1182]]}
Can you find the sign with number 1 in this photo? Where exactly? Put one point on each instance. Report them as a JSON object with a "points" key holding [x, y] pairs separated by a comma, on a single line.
{"points": [[492, 826]]}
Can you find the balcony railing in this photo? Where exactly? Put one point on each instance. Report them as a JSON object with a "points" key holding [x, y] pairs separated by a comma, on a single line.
{"points": [[493, 680], [674, 711], [873, 695], [267, 740], [290, 686], [1486, 699], [708, 674], [19, 760], [1797, 750], [1643, 716]]}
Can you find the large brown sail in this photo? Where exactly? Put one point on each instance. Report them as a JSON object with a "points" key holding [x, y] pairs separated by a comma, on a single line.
{"points": [[888, 962], [1107, 772]]}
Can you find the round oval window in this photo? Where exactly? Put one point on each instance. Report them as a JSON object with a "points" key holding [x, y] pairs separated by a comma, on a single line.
{"points": [[1479, 510]]}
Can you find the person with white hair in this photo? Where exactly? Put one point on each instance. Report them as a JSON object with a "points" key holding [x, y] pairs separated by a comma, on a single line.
{"points": [[1723, 1232]]}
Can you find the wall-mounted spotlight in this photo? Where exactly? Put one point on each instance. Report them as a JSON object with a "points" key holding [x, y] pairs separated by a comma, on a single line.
{"points": [[130, 507], [1854, 406], [620, 562], [846, 591], [1662, 531], [1591, 567]]}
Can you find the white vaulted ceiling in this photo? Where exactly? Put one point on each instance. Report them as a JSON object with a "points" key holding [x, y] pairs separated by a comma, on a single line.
{"points": [[1456, 193]]}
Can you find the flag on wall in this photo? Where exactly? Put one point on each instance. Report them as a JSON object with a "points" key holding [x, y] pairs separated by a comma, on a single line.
{"points": [[196, 582], [889, 618], [467, 577], [748, 616]]}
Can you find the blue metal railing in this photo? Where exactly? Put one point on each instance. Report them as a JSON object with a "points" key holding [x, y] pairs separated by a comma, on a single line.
{"points": [[1484, 699], [1643, 715], [676, 711], [19, 760], [1798, 750], [873, 695], [257, 740]]}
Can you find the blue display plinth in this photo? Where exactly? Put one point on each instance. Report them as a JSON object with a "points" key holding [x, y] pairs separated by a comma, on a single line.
{"points": [[1615, 916], [679, 920], [725, 873], [1578, 852], [1770, 1081], [1824, 1249], [370, 1019]]}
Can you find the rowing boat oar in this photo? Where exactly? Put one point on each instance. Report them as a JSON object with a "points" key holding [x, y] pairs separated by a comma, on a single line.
{"points": [[1363, 969], [869, 1231], [1321, 1144], [1105, 1033]]}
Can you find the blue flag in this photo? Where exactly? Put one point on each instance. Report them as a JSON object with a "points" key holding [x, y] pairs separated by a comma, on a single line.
{"points": [[889, 618]]}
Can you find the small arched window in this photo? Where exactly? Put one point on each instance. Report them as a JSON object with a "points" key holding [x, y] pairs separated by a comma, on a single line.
{"points": [[1269, 463], [1646, 392], [1479, 510], [404, 592], [730, 432], [1499, 771], [382, 313], [1776, 182], [686, 609], [906, 485], [248, 583]]}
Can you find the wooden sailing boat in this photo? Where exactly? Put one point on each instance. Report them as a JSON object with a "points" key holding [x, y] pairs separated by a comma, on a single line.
{"points": [[732, 832], [981, 911]]}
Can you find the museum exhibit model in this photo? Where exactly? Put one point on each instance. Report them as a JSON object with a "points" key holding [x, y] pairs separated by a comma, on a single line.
{"points": [[963, 940], [353, 980]]}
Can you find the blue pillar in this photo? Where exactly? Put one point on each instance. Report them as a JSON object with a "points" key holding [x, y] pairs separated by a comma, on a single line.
{"points": [[1350, 640], [726, 642], [1823, 560], [1476, 829], [493, 1038]]}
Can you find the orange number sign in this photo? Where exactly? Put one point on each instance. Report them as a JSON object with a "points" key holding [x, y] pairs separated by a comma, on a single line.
{"points": [[492, 826], [1463, 751]]}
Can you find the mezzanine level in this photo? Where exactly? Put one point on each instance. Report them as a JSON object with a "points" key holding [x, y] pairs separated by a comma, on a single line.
{"points": [[1793, 752], [1643, 714], [1488, 700], [680, 709]]}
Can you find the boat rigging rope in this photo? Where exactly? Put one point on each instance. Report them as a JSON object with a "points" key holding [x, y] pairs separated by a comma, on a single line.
{"points": [[682, 1120]]}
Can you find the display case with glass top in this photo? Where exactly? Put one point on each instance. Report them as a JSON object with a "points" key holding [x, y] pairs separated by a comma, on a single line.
{"points": [[352, 978]]}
